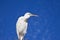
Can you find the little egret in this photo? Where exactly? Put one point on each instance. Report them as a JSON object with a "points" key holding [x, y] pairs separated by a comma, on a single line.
{"points": [[22, 24]]}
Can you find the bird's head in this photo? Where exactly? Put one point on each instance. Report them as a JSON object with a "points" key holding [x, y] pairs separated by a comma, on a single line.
{"points": [[28, 15]]}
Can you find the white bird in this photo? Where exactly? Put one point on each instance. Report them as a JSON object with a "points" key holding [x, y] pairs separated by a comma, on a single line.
{"points": [[22, 24]]}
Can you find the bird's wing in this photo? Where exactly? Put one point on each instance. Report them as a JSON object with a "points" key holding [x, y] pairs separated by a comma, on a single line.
{"points": [[21, 24], [23, 32], [21, 28]]}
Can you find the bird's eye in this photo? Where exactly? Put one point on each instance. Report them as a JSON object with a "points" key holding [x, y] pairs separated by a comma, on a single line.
{"points": [[29, 14]]}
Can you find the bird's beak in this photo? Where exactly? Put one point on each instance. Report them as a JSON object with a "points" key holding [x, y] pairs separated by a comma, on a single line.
{"points": [[34, 15]]}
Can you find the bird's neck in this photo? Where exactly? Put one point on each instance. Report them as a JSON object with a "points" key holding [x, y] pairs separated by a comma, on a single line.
{"points": [[26, 20]]}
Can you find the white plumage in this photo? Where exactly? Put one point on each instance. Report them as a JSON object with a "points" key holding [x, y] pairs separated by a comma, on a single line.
{"points": [[22, 24]]}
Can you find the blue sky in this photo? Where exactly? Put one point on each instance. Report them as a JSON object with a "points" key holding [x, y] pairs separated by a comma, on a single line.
{"points": [[44, 27]]}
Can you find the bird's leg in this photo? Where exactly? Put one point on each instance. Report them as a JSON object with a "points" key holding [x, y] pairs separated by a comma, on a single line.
{"points": [[21, 36]]}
